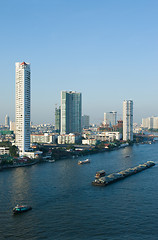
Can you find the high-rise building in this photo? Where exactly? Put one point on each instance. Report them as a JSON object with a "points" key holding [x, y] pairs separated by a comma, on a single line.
{"points": [[22, 88], [85, 121], [128, 120], [57, 119], [110, 118], [7, 121], [150, 122], [71, 112]]}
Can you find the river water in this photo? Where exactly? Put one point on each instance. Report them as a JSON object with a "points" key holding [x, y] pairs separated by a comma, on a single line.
{"points": [[66, 206]]}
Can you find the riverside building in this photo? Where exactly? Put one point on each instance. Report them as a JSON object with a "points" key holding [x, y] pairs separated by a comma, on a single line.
{"points": [[22, 88], [128, 120], [71, 112]]}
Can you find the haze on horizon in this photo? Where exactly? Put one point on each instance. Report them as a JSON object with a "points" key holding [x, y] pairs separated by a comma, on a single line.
{"points": [[107, 50]]}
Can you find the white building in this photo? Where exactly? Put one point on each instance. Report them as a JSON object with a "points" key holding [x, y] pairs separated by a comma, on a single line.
{"points": [[22, 88], [110, 118], [128, 120], [4, 150], [68, 138], [150, 122], [71, 112]]}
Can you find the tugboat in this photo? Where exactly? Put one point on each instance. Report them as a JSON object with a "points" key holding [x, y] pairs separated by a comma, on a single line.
{"points": [[21, 208]]}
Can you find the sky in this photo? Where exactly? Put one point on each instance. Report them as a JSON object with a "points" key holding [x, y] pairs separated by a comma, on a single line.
{"points": [[105, 49]]}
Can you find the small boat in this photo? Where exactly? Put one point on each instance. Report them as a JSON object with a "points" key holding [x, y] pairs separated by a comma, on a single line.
{"points": [[100, 173], [21, 208], [51, 161], [84, 161]]}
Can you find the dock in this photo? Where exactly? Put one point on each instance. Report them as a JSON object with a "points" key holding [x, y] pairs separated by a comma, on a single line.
{"points": [[113, 177]]}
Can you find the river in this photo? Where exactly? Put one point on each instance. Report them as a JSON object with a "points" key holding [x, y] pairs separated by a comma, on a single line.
{"points": [[66, 206]]}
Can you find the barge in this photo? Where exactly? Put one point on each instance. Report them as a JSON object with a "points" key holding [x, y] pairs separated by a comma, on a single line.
{"points": [[84, 161], [113, 177]]}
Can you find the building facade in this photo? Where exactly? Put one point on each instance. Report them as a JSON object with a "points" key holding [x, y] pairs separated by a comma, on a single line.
{"points": [[57, 119], [150, 123], [128, 120], [7, 121], [71, 112], [22, 108], [85, 121], [110, 118]]}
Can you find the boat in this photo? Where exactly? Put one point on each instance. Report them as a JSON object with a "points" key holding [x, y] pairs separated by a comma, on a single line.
{"points": [[100, 173], [127, 156], [51, 161], [84, 161], [21, 208]]}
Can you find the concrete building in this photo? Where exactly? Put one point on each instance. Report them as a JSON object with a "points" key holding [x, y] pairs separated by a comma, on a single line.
{"points": [[13, 126], [22, 78], [71, 112], [85, 121], [110, 118], [4, 150], [57, 119], [70, 138], [43, 138], [128, 120], [7, 121], [150, 123]]}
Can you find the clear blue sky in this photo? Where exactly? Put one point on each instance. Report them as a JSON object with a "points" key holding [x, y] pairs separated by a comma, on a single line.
{"points": [[106, 49]]}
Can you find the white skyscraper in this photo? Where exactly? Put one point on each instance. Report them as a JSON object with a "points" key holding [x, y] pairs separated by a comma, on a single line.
{"points": [[71, 112], [110, 118], [128, 120], [22, 88]]}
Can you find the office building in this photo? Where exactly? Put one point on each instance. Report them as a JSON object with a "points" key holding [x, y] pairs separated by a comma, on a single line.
{"points": [[128, 120], [85, 121], [57, 119], [110, 118], [22, 88], [71, 112], [7, 121]]}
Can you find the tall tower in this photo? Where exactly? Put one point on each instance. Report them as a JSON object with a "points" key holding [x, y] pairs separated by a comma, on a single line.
{"points": [[128, 120], [22, 88], [7, 121], [71, 112], [57, 119]]}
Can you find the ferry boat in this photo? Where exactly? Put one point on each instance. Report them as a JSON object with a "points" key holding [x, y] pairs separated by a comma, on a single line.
{"points": [[100, 173], [84, 161], [21, 208]]}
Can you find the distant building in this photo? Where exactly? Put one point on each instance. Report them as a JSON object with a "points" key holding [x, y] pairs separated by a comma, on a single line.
{"points": [[150, 123], [71, 112], [7, 121], [110, 118], [23, 97], [12, 126], [85, 121], [128, 120], [57, 119]]}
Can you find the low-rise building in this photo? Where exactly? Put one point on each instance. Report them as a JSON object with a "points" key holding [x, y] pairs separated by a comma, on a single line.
{"points": [[4, 150], [70, 138]]}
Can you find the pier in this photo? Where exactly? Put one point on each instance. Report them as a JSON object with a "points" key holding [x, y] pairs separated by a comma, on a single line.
{"points": [[113, 177]]}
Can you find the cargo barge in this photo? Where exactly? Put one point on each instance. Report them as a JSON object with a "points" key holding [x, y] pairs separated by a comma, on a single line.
{"points": [[113, 177]]}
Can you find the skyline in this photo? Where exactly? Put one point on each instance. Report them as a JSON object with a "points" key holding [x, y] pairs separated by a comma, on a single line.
{"points": [[107, 51]]}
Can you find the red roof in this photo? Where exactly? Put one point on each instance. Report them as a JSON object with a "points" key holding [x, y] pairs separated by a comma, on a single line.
{"points": [[23, 63]]}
